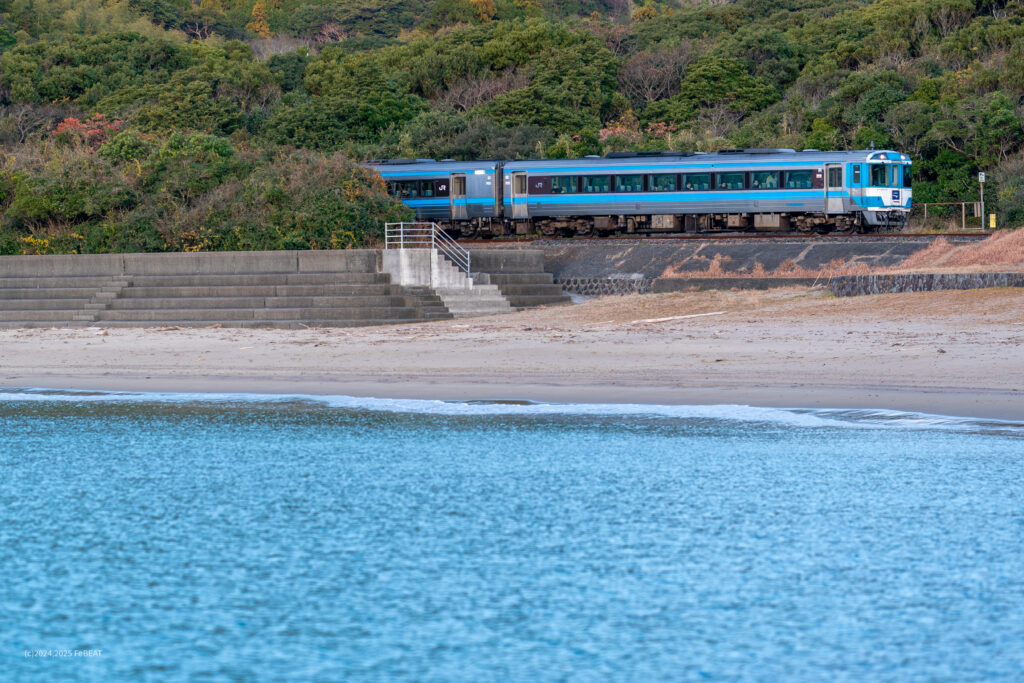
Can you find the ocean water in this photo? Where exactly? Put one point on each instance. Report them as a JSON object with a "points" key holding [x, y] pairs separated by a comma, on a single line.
{"points": [[170, 537]]}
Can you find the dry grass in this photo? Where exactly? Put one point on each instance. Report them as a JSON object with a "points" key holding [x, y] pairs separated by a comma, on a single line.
{"points": [[1002, 250]]}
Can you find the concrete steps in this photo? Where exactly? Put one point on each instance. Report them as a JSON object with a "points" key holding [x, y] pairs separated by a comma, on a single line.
{"points": [[520, 277], [266, 289], [230, 300], [259, 291], [430, 270], [527, 290], [215, 315], [260, 279], [262, 324], [136, 303], [466, 296]]}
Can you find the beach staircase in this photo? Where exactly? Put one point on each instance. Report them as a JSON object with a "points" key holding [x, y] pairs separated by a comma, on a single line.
{"points": [[282, 300], [520, 276], [421, 254], [234, 289]]}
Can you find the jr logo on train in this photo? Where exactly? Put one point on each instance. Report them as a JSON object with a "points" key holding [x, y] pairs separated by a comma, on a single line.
{"points": [[659, 192]]}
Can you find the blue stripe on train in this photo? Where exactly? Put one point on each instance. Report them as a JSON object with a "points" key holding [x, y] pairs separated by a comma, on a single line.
{"points": [[444, 201], [671, 197], [436, 174], [655, 168], [878, 202]]}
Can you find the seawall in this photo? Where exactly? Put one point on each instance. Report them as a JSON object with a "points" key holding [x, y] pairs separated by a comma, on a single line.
{"points": [[620, 266], [859, 285]]}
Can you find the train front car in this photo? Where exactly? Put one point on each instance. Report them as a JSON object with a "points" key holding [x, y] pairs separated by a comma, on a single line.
{"points": [[880, 188], [463, 196], [749, 189]]}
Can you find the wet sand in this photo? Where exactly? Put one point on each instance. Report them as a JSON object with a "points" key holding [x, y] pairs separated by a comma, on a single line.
{"points": [[951, 353]]}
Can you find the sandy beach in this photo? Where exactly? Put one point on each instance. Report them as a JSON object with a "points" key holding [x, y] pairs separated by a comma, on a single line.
{"points": [[951, 353]]}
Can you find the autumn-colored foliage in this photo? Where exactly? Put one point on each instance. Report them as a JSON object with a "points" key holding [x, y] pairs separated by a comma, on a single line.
{"points": [[90, 133]]}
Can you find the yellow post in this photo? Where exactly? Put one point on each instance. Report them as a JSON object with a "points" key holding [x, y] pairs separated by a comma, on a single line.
{"points": [[992, 221]]}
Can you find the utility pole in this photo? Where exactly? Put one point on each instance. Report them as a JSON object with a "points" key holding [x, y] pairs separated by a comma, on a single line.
{"points": [[981, 186]]}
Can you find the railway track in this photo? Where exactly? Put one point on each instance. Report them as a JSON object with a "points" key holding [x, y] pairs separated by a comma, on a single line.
{"points": [[737, 237]]}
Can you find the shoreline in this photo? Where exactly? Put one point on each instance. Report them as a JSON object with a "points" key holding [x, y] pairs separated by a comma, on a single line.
{"points": [[975, 403], [955, 353]]}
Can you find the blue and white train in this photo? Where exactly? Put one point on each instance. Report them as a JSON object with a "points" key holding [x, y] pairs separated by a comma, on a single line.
{"points": [[659, 192]]}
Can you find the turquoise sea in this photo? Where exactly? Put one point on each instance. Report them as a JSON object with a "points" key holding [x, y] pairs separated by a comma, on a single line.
{"points": [[170, 537]]}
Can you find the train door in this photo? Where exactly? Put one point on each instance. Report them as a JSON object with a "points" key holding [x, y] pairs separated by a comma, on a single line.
{"points": [[519, 192], [833, 188], [458, 197]]}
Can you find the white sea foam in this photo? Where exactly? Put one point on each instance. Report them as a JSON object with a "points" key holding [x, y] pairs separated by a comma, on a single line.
{"points": [[793, 417]]}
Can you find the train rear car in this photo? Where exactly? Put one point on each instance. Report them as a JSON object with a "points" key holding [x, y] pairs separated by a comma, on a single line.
{"points": [[463, 195]]}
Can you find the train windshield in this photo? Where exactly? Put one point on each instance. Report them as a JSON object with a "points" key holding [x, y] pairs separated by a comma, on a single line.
{"points": [[879, 175], [908, 176]]}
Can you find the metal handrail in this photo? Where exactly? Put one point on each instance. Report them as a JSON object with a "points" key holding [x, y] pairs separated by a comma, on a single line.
{"points": [[422, 235]]}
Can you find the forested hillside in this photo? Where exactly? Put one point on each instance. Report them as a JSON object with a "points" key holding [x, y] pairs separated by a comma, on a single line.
{"points": [[233, 124]]}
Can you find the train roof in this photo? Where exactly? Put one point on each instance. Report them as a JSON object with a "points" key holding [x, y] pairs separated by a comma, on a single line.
{"points": [[732, 157], [422, 166]]}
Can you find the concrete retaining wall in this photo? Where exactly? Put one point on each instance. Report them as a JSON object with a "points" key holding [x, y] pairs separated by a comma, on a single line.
{"points": [[507, 260], [614, 286], [207, 263], [247, 262], [858, 285], [691, 283], [640, 259]]}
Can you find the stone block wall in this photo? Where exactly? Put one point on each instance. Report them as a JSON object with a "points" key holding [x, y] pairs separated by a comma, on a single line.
{"points": [[859, 285], [605, 286]]}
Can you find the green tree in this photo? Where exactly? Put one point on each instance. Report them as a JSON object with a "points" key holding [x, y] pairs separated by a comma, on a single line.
{"points": [[713, 82]]}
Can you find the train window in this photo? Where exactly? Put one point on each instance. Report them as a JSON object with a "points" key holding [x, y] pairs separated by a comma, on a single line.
{"points": [[406, 189], [729, 181], [856, 175], [629, 183], [426, 188], [564, 184], [662, 182], [597, 183], [908, 176], [459, 185], [764, 180], [895, 176], [835, 177], [697, 181], [799, 180], [879, 175]]}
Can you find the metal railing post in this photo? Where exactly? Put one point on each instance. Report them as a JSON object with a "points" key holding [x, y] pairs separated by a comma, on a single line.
{"points": [[424, 234]]}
